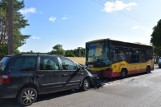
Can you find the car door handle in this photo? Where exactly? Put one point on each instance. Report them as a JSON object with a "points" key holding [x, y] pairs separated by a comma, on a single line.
{"points": [[65, 75], [40, 76]]}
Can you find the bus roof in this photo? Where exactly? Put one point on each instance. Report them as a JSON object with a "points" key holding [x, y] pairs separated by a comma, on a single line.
{"points": [[99, 40]]}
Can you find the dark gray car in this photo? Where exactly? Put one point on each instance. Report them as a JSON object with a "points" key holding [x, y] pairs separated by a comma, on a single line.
{"points": [[26, 76]]}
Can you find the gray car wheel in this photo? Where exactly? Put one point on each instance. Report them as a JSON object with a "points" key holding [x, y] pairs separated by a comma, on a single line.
{"points": [[27, 96], [85, 85]]}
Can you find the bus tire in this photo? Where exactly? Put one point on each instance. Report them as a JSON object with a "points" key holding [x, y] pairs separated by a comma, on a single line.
{"points": [[124, 73], [148, 70]]}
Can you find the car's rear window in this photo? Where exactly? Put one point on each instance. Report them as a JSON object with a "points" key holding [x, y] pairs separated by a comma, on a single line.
{"points": [[3, 63], [23, 63]]}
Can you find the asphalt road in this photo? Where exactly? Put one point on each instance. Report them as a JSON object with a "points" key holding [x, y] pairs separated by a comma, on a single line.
{"points": [[135, 91]]}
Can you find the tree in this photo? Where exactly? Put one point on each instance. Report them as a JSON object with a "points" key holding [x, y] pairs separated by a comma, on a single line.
{"points": [[19, 22], [57, 49], [69, 53], [79, 52], [156, 38], [3, 50]]}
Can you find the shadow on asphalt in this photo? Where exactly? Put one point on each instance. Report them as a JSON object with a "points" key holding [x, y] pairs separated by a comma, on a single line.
{"points": [[105, 80], [158, 68], [8, 103], [56, 95], [12, 102]]}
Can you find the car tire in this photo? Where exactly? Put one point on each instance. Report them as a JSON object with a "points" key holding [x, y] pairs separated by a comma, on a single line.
{"points": [[27, 96], [85, 84], [124, 73]]}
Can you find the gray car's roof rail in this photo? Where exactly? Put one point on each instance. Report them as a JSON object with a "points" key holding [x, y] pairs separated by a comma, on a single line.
{"points": [[35, 54]]}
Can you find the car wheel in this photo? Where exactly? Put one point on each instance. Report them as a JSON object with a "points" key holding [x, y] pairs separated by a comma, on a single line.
{"points": [[148, 70], [27, 96], [85, 85], [123, 73]]}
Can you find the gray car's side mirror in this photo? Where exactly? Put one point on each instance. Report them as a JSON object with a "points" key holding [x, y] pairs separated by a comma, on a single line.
{"points": [[78, 68]]}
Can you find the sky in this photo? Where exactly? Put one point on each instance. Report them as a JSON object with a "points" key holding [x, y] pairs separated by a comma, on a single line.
{"points": [[72, 23]]}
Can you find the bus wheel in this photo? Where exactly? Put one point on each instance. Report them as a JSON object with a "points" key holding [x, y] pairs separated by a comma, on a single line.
{"points": [[123, 73], [148, 69]]}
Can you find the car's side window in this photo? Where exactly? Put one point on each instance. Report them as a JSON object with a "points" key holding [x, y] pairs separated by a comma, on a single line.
{"points": [[23, 63], [68, 64], [49, 63]]}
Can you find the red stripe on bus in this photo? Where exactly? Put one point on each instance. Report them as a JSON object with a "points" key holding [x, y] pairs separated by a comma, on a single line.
{"points": [[110, 74], [136, 71]]}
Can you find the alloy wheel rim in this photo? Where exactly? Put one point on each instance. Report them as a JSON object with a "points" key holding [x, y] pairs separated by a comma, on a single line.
{"points": [[28, 97], [86, 84]]}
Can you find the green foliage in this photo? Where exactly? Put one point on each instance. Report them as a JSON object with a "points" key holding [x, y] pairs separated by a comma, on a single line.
{"points": [[57, 49], [156, 35], [79, 52], [30, 52], [3, 50], [60, 52], [69, 53], [19, 22], [157, 50], [156, 38]]}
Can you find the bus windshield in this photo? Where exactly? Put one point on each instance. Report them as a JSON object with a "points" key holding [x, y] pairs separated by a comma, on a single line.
{"points": [[97, 54]]}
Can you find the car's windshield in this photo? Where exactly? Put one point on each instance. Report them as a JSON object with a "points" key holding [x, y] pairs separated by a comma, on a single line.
{"points": [[97, 54], [3, 63]]}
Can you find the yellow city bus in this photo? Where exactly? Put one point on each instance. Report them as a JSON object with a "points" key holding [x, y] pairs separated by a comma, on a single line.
{"points": [[110, 58]]}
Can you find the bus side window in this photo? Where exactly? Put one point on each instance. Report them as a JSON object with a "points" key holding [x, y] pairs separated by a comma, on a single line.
{"points": [[128, 56], [142, 56], [118, 54], [135, 56]]}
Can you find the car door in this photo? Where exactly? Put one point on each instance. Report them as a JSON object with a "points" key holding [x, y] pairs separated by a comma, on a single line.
{"points": [[49, 74], [71, 76]]}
